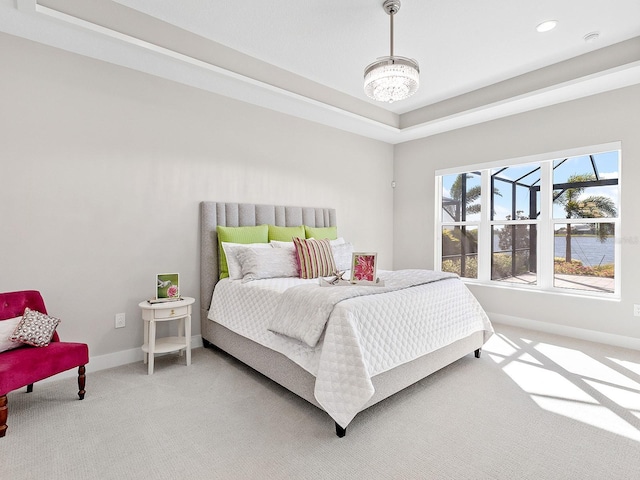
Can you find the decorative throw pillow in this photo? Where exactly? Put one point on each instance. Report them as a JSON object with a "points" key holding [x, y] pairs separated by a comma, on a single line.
{"points": [[342, 255], [253, 234], [6, 329], [285, 234], [231, 253], [35, 328], [267, 263], [315, 258], [321, 232]]}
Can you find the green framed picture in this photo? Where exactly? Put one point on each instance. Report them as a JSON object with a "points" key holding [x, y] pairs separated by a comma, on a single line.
{"points": [[167, 285]]}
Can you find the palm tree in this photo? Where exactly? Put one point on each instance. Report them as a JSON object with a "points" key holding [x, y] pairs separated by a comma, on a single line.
{"points": [[594, 206], [455, 208]]}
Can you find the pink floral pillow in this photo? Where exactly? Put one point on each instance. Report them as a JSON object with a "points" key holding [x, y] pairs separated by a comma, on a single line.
{"points": [[35, 328]]}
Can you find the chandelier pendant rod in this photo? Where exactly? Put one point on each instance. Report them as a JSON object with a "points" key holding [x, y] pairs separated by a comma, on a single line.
{"points": [[391, 13]]}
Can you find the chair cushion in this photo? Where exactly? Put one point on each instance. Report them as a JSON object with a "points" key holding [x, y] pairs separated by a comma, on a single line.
{"points": [[25, 365]]}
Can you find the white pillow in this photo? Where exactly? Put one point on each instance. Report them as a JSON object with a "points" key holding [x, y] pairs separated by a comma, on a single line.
{"points": [[267, 263], [342, 255], [231, 251], [6, 330], [281, 244]]}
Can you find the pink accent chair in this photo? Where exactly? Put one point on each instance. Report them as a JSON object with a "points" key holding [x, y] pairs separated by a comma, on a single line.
{"points": [[25, 365]]}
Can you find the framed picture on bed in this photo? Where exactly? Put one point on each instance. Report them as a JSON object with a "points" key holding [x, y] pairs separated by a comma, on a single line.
{"points": [[363, 267], [167, 286]]}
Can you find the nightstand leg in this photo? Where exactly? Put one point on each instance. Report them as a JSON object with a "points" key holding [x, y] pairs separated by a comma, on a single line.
{"points": [[152, 345], [187, 334], [181, 332], [145, 328]]}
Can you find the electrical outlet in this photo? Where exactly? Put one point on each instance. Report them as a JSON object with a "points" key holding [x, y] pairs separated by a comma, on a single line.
{"points": [[636, 310], [120, 320]]}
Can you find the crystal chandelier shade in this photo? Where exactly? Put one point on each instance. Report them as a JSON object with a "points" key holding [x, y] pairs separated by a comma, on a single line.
{"points": [[391, 78]]}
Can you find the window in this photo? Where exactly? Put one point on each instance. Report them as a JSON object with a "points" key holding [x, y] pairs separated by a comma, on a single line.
{"points": [[546, 222], [461, 214]]}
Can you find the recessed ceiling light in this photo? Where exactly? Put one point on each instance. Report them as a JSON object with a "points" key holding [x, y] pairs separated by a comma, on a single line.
{"points": [[547, 25]]}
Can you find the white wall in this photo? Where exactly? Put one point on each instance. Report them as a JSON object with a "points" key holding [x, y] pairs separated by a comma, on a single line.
{"points": [[608, 117], [102, 169]]}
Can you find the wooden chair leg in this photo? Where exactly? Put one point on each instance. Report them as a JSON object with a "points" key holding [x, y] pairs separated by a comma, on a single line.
{"points": [[81, 380], [4, 411]]}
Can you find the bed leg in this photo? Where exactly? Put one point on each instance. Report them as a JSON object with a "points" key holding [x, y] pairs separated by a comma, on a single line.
{"points": [[206, 343], [340, 432], [478, 352]]}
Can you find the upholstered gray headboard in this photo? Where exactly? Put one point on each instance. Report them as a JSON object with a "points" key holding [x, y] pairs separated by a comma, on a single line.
{"points": [[213, 214]]}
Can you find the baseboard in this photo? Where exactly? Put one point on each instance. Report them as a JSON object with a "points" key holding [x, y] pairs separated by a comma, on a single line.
{"points": [[115, 359], [573, 332]]}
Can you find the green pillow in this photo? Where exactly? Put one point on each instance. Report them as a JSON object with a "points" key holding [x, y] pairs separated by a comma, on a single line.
{"points": [[321, 232], [257, 234], [285, 234]]}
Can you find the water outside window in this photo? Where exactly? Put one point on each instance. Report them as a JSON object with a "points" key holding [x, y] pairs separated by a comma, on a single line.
{"points": [[585, 188]]}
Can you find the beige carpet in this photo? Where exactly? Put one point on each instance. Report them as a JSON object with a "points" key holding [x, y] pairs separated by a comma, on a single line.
{"points": [[535, 406]]}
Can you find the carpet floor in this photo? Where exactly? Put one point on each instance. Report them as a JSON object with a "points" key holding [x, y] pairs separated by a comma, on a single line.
{"points": [[534, 406]]}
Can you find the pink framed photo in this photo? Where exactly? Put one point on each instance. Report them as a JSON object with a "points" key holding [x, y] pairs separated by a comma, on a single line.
{"points": [[363, 267]]}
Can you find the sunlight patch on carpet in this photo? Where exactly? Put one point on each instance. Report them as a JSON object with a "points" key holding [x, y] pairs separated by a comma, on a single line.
{"points": [[601, 392]]}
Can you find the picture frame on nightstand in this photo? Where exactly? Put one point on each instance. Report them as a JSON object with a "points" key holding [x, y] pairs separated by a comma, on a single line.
{"points": [[167, 286]]}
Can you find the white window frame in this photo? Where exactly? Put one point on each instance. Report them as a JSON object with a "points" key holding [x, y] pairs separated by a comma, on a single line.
{"points": [[545, 222]]}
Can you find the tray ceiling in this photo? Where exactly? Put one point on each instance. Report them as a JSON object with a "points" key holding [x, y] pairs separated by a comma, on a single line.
{"points": [[478, 60]]}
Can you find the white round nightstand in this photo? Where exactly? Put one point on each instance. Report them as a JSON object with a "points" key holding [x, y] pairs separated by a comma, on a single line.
{"points": [[163, 312]]}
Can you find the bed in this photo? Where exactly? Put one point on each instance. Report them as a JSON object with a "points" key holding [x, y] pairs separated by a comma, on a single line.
{"points": [[371, 384]]}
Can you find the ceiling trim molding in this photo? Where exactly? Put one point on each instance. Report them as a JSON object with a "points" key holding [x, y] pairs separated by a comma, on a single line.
{"points": [[600, 82], [26, 5], [182, 68]]}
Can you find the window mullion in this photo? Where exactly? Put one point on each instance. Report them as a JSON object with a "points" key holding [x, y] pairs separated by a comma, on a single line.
{"points": [[437, 240], [546, 228], [484, 229]]}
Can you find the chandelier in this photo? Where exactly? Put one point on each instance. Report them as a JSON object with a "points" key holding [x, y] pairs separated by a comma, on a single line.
{"points": [[391, 78]]}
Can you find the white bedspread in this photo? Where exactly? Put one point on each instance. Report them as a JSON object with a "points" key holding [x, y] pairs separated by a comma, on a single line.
{"points": [[303, 311], [364, 336]]}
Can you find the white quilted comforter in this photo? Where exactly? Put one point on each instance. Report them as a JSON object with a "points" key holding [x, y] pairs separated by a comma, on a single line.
{"points": [[304, 311], [364, 336]]}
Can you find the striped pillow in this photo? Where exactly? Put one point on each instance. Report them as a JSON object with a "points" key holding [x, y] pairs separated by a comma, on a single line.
{"points": [[315, 257]]}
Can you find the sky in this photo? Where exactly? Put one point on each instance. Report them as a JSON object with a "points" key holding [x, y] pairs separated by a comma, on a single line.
{"points": [[607, 164]]}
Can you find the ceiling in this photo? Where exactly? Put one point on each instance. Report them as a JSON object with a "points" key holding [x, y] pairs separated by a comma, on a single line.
{"points": [[478, 60]]}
